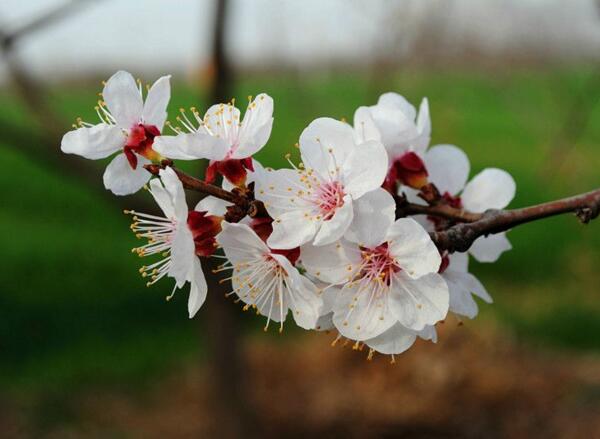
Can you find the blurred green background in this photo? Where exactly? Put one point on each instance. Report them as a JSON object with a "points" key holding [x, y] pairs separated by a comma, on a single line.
{"points": [[76, 318]]}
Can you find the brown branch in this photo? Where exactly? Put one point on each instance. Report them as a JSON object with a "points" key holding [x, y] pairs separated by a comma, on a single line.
{"points": [[461, 236], [440, 210], [198, 185], [458, 237]]}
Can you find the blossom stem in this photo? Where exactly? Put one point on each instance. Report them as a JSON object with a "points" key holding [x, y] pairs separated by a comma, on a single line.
{"points": [[462, 235], [198, 185]]}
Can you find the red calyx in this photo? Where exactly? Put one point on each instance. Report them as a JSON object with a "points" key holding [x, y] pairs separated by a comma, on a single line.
{"points": [[454, 201], [409, 170], [263, 227], [140, 140], [204, 229], [233, 170], [444, 264], [450, 200]]}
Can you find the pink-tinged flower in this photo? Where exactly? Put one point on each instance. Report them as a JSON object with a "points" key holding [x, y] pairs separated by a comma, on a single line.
{"points": [[405, 135], [315, 202], [128, 124], [266, 279], [448, 168], [179, 238], [222, 137], [389, 276]]}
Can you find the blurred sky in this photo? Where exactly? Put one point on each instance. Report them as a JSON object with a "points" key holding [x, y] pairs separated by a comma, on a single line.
{"points": [[174, 35]]}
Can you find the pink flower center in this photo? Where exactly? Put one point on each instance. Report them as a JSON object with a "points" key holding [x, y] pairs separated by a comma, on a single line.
{"points": [[328, 198], [378, 264]]}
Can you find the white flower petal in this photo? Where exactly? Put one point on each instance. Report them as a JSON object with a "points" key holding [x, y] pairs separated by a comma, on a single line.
{"points": [[461, 286], [325, 322], [123, 99], [412, 248], [240, 242], [421, 143], [419, 302], [304, 301], [213, 206], [324, 145], [198, 288], [395, 340], [412, 195], [365, 168], [424, 222], [477, 288], [162, 197], [175, 188], [222, 121], [398, 102], [120, 179], [256, 127], [489, 248], [428, 333], [330, 263], [334, 228], [374, 213], [279, 191], [360, 313], [191, 146], [364, 126], [96, 142], [461, 301], [253, 176], [182, 255], [329, 295], [155, 107], [492, 188], [395, 120], [291, 230], [270, 304], [448, 168], [458, 262]]}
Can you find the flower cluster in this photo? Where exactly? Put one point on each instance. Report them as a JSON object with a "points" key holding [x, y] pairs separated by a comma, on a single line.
{"points": [[324, 239]]}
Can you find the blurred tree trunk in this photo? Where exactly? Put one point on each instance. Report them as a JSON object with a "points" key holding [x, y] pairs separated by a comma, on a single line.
{"points": [[576, 120], [233, 412]]}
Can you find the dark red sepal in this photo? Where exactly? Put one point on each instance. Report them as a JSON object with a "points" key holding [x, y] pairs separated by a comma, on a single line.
{"points": [[140, 140], [204, 229], [234, 170]]}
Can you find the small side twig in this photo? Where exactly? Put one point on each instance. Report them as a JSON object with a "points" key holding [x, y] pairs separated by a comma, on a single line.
{"points": [[198, 185]]}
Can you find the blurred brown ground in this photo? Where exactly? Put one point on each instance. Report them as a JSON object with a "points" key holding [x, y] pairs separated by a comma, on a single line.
{"points": [[474, 383]]}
